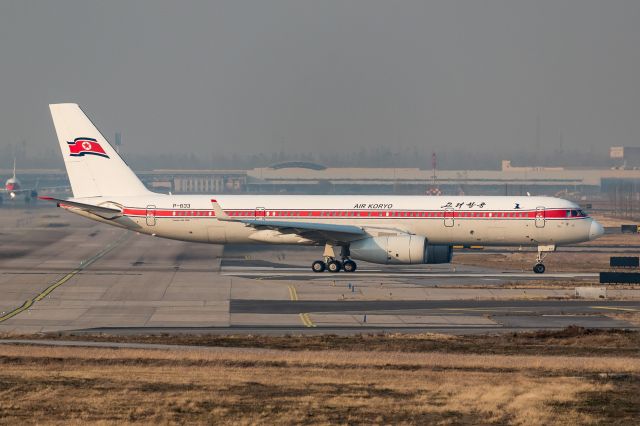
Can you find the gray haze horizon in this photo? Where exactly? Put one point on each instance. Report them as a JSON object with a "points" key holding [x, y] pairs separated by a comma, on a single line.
{"points": [[494, 79]]}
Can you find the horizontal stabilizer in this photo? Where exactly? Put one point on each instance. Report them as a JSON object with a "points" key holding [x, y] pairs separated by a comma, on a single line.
{"points": [[103, 212]]}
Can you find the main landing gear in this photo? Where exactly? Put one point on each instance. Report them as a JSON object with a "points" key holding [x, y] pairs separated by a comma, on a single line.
{"points": [[543, 251], [331, 264]]}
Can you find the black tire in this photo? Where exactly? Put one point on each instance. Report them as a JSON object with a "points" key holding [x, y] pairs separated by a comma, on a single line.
{"points": [[334, 266], [318, 266], [539, 268], [349, 266]]}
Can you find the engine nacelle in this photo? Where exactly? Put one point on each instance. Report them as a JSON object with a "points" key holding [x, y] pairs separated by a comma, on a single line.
{"points": [[400, 250]]}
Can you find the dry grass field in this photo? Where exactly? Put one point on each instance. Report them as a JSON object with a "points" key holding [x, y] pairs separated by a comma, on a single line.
{"points": [[572, 340], [334, 383]]}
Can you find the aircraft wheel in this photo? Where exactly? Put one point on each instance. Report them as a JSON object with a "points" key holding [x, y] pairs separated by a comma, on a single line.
{"points": [[334, 266], [539, 268], [318, 266], [349, 266]]}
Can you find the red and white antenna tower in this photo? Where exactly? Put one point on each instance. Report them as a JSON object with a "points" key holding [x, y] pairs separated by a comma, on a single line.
{"points": [[434, 190]]}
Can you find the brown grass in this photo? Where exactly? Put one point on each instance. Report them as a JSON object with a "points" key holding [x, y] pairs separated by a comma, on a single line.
{"points": [[571, 341], [258, 386], [630, 317]]}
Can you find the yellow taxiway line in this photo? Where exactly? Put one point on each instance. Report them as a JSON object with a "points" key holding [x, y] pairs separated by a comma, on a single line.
{"points": [[306, 320], [47, 291], [293, 294], [614, 308]]}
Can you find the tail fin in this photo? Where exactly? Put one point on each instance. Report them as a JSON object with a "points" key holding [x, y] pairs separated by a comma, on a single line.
{"points": [[94, 167]]}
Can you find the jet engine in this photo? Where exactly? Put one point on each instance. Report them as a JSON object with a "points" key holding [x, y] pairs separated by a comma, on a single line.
{"points": [[400, 250]]}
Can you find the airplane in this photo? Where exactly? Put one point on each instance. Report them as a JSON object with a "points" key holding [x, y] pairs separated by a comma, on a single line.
{"points": [[13, 187], [383, 229]]}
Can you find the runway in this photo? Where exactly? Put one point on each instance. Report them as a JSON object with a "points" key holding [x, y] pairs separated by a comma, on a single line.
{"points": [[422, 274], [62, 273], [540, 307]]}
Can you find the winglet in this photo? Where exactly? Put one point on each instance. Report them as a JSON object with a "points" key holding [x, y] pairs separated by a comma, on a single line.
{"points": [[220, 214]]}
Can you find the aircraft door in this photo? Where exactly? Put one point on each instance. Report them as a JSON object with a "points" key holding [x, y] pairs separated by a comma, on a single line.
{"points": [[259, 213], [540, 217], [448, 217], [151, 215]]}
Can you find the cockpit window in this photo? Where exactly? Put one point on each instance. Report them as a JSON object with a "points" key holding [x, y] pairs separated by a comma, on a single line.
{"points": [[576, 213]]}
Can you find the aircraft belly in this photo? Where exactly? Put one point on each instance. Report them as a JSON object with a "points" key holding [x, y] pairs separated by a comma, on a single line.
{"points": [[481, 232], [177, 229]]}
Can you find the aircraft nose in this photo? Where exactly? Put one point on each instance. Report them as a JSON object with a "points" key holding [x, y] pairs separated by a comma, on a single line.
{"points": [[596, 230]]}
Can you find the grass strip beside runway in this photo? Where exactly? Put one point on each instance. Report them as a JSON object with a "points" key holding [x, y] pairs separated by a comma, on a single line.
{"points": [[310, 386]]}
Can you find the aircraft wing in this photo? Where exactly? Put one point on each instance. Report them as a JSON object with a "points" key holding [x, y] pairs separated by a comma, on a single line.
{"points": [[320, 232], [103, 212]]}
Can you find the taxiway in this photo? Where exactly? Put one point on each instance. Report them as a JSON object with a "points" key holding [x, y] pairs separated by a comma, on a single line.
{"points": [[61, 273]]}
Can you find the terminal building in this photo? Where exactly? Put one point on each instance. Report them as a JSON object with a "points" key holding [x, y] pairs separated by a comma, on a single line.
{"points": [[625, 157], [312, 178], [509, 180]]}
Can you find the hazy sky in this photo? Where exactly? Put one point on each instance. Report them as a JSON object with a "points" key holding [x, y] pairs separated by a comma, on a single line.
{"points": [[260, 76]]}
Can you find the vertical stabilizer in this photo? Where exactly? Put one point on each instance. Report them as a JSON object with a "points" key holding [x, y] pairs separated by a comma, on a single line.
{"points": [[93, 165]]}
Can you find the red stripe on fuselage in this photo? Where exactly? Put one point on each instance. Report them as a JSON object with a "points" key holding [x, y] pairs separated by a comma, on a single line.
{"points": [[349, 214]]}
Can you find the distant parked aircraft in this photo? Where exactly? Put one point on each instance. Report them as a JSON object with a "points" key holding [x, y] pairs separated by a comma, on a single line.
{"points": [[13, 187]]}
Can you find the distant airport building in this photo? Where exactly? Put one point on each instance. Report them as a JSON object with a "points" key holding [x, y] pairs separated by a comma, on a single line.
{"points": [[625, 156], [196, 181], [513, 180], [313, 178]]}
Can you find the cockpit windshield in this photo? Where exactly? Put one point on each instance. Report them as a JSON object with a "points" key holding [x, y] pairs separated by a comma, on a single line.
{"points": [[576, 213]]}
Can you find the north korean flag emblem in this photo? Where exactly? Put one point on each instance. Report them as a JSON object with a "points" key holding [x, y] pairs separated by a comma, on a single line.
{"points": [[86, 146]]}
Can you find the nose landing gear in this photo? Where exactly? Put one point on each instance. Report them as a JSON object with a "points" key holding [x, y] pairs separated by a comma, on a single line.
{"points": [[543, 251], [539, 268]]}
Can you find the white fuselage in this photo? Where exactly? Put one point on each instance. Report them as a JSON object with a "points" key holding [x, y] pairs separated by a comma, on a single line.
{"points": [[448, 220]]}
